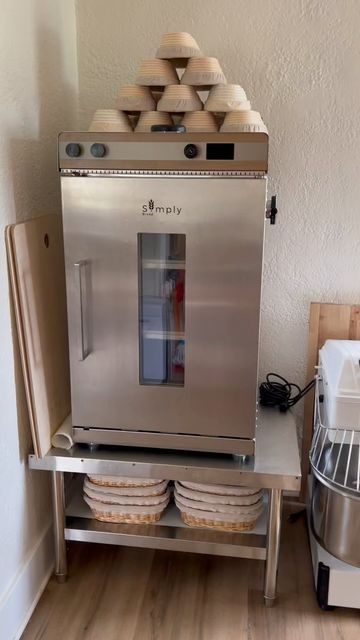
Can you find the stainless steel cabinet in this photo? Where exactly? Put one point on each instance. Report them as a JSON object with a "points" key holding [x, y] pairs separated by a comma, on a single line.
{"points": [[163, 290]]}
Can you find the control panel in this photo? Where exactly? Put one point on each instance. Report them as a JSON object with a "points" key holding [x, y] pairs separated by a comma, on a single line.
{"points": [[163, 150]]}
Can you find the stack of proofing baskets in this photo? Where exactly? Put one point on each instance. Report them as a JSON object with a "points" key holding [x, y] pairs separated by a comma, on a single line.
{"points": [[218, 506], [180, 86], [122, 499]]}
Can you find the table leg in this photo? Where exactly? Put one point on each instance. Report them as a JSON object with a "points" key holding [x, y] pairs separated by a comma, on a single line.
{"points": [[272, 547], [58, 498]]}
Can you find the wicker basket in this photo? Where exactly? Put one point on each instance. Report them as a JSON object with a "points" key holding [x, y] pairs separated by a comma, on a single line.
{"points": [[151, 490], [235, 511], [215, 502], [179, 98], [123, 481], [226, 97], [178, 47], [133, 97], [126, 514], [203, 73], [119, 499], [110, 120], [156, 73], [220, 489], [193, 521], [242, 521]]}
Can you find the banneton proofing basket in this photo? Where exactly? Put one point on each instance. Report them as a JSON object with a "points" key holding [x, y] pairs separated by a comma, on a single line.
{"points": [[200, 121], [179, 98], [244, 519], [157, 73], [219, 489], [243, 121], [203, 73], [227, 97], [244, 128], [178, 47], [217, 508], [113, 498], [149, 118], [122, 481], [110, 120], [133, 97], [217, 499], [126, 513], [138, 491]]}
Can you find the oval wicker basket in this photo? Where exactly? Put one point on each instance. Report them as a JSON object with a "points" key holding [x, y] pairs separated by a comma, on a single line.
{"points": [[221, 521], [238, 511], [217, 500], [151, 490], [122, 481], [113, 498], [126, 514], [210, 523], [220, 489]]}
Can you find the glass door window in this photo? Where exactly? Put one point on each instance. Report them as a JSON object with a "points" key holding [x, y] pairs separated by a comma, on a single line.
{"points": [[162, 308]]}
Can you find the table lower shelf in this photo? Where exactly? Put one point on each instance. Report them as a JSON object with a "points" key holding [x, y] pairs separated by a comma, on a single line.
{"points": [[169, 533]]}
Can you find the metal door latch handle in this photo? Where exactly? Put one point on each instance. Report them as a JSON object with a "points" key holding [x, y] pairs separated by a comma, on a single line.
{"points": [[271, 210], [80, 267]]}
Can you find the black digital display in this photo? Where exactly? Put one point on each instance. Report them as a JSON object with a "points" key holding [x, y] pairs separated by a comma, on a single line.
{"points": [[219, 151]]}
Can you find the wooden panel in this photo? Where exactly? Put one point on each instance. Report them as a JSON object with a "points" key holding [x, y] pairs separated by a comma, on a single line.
{"points": [[36, 258], [327, 321], [21, 339]]}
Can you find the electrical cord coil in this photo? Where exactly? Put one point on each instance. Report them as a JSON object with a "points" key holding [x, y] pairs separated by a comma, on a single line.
{"points": [[278, 392]]}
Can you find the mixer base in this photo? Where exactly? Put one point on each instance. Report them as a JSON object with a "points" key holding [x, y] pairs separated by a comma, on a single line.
{"points": [[337, 584]]}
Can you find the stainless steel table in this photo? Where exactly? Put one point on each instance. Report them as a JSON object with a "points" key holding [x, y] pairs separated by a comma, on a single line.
{"points": [[275, 467]]}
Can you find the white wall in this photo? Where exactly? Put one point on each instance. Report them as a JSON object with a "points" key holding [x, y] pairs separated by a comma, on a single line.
{"points": [[299, 62], [38, 88]]}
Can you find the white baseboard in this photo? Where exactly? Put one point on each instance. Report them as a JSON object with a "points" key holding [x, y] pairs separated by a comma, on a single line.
{"points": [[18, 604]]}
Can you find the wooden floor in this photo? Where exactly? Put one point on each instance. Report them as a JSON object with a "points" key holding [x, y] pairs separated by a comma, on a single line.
{"points": [[116, 593]]}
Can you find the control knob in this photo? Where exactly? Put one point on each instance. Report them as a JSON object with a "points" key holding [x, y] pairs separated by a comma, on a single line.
{"points": [[190, 151], [73, 150], [98, 150]]}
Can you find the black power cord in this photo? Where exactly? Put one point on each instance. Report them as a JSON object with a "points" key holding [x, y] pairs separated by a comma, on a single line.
{"points": [[278, 392]]}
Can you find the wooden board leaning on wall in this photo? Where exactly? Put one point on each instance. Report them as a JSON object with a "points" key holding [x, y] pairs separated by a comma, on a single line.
{"points": [[37, 277]]}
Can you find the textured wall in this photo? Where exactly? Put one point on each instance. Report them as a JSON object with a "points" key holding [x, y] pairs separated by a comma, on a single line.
{"points": [[299, 62], [38, 80]]}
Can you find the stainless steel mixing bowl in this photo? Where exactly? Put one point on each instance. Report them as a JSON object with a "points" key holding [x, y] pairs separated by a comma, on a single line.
{"points": [[335, 518]]}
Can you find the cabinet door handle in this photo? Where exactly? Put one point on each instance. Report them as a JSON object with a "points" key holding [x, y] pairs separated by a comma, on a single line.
{"points": [[81, 287]]}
